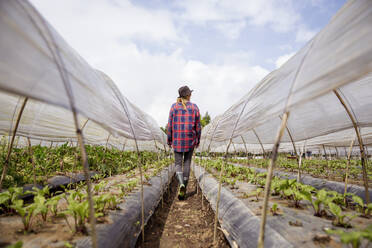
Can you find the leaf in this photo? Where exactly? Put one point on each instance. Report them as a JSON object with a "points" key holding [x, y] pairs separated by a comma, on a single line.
{"points": [[322, 195], [358, 200], [335, 209], [19, 244], [4, 197], [306, 195], [288, 192]]}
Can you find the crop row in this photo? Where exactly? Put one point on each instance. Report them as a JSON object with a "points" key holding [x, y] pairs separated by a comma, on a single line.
{"points": [[72, 204], [324, 203], [38, 163], [330, 169]]}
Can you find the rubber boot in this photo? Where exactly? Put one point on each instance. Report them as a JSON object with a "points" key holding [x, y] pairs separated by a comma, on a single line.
{"points": [[185, 181], [182, 188]]}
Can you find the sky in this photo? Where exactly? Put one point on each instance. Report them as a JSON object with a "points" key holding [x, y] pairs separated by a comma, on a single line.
{"points": [[219, 48]]}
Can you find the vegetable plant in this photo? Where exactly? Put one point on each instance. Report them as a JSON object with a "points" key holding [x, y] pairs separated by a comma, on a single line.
{"points": [[26, 212], [342, 219], [354, 238], [274, 209]]}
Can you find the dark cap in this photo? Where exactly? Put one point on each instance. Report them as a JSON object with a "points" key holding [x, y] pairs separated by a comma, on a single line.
{"points": [[184, 91]]}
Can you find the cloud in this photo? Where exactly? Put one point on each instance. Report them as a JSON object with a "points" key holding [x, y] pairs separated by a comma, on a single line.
{"points": [[278, 15], [282, 59], [304, 34], [231, 30], [106, 34], [151, 80], [103, 19]]}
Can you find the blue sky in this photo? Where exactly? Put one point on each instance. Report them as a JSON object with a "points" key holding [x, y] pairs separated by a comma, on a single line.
{"points": [[220, 48]]}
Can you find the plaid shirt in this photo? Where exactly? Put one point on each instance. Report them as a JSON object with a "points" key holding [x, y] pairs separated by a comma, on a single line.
{"points": [[184, 127]]}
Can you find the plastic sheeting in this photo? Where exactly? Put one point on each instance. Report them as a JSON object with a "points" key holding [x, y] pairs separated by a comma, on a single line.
{"points": [[239, 222], [124, 229], [319, 183], [338, 58], [37, 63]]}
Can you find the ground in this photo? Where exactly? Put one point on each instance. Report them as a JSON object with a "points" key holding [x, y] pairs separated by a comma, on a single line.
{"points": [[182, 223]]}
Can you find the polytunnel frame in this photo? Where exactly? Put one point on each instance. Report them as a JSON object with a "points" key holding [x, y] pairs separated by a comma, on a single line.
{"points": [[57, 59], [125, 107], [283, 125]]}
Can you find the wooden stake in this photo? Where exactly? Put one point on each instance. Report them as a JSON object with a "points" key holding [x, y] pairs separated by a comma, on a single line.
{"points": [[268, 179], [259, 140], [300, 162], [6, 162], [31, 154], [245, 147], [348, 165], [219, 194], [360, 141]]}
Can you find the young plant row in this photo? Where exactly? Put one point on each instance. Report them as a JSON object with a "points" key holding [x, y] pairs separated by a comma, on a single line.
{"points": [[324, 203], [72, 204], [330, 169], [46, 162]]}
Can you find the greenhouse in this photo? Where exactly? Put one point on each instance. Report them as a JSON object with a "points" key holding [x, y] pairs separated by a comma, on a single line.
{"points": [[287, 165]]}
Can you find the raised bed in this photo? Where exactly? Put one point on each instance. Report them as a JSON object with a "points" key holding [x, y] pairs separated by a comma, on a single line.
{"points": [[117, 228], [240, 216], [319, 183], [124, 229], [241, 225]]}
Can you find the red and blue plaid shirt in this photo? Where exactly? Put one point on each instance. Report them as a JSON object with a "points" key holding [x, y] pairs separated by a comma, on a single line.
{"points": [[184, 128]]}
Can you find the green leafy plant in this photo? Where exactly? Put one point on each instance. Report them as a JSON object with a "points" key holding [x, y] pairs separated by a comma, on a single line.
{"points": [[256, 193], [294, 194], [274, 209], [53, 203], [127, 187], [41, 206], [26, 212], [354, 238], [99, 187], [79, 211], [9, 197], [19, 244], [342, 219], [104, 201]]}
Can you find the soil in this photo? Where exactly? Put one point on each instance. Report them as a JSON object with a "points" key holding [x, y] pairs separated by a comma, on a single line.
{"points": [[55, 232], [182, 223]]}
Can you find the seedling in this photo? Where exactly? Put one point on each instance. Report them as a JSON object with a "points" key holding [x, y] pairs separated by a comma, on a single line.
{"points": [[53, 203], [353, 238], [19, 244], [100, 187], [256, 193], [41, 206], [342, 219], [78, 210], [295, 195], [7, 198], [26, 212], [362, 208], [274, 209]]}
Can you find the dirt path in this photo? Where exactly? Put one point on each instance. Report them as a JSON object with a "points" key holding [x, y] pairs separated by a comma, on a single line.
{"points": [[180, 224]]}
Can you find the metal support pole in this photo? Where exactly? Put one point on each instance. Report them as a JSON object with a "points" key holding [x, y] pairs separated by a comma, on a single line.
{"points": [[245, 147]]}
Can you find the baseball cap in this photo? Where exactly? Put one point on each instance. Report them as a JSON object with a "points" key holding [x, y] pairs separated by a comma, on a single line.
{"points": [[184, 91]]}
